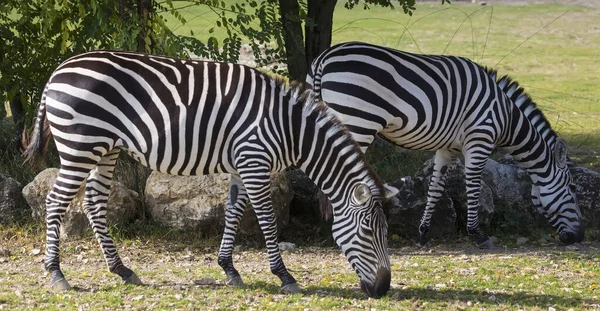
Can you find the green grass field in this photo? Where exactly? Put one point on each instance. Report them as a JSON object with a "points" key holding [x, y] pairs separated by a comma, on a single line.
{"points": [[182, 274], [551, 49], [555, 59]]}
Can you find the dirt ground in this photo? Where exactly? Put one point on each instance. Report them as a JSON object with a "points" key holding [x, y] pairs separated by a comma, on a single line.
{"points": [[446, 277]]}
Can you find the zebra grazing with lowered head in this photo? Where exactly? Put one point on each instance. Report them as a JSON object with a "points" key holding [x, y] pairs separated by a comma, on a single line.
{"points": [[185, 117], [454, 106]]}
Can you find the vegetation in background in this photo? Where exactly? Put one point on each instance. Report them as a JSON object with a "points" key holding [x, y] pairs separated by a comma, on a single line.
{"points": [[551, 49]]}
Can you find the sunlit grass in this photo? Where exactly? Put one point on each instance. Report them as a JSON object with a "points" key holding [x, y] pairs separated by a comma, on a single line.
{"points": [[455, 277], [551, 49]]}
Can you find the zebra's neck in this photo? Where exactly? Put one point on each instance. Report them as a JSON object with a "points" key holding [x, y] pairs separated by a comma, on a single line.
{"points": [[531, 140], [525, 105], [326, 151]]}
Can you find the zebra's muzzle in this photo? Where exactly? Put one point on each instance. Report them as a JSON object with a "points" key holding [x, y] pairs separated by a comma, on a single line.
{"points": [[381, 285], [571, 237]]}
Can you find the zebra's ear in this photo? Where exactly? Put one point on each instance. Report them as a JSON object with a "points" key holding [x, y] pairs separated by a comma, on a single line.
{"points": [[389, 191], [362, 193], [560, 153]]}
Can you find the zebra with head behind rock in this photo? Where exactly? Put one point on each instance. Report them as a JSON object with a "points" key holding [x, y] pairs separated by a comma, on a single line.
{"points": [[185, 117], [453, 106]]}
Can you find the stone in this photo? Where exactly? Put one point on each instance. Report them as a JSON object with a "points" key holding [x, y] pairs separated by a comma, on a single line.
{"points": [[5, 252], [187, 202], [306, 195], [587, 189], [505, 202], [286, 246], [406, 209], [12, 205], [504, 189], [281, 195], [205, 281], [522, 240], [123, 204], [199, 202]]}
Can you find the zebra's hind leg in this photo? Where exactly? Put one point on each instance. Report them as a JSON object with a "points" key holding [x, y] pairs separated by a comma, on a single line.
{"points": [[474, 164], [65, 189], [97, 190], [258, 185], [437, 184], [236, 204]]}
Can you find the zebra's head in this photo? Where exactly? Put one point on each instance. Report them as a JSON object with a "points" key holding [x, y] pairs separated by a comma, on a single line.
{"points": [[360, 230], [556, 198]]}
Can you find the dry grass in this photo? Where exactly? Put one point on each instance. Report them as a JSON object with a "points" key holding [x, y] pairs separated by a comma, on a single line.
{"points": [[453, 277]]}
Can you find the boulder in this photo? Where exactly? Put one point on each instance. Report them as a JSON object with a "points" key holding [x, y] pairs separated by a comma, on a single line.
{"points": [[587, 189], [123, 204], [406, 209], [505, 202], [282, 195], [305, 203], [503, 187], [199, 202], [11, 201]]}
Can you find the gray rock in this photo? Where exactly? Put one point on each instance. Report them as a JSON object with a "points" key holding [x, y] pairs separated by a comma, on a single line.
{"points": [[406, 210], [522, 240], [199, 202], [4, 252], [286, 246], [187, 202], [281, 195], [587, 188], [306, 195], [505, 201], [12, 205], [123, 204]]}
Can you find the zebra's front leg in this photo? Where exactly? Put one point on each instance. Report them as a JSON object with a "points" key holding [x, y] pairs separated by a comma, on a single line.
{"points": [[258, 185], [236, 204], [474, 164], [97, 190], [437, 184]]}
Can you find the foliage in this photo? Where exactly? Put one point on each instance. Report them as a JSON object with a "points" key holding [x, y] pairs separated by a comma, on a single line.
{"points": [[259, 23], [39, 34]]}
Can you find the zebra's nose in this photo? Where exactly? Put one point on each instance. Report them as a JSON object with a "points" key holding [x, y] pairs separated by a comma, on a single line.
{"points": [[570, 237], [381, 285]]}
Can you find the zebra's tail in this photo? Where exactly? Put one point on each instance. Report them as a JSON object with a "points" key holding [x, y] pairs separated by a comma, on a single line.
{"points": [[35, 152]]}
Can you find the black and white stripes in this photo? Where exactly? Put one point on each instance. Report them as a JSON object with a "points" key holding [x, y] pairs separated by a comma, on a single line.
{"points": [[454, 106], [188, 118]]}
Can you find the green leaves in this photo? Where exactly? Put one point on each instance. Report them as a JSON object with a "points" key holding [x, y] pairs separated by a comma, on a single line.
{"points": [[38, 35]]}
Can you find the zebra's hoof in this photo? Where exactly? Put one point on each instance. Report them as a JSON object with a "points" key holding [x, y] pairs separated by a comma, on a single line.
{"points": [[61, 285], [133, 279], [292, 288], [235, 282], [487, 244]]}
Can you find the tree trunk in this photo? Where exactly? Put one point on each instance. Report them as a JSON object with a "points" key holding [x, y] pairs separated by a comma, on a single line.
{"points": [[318, 27], [144, 9], [18, 115], [289, 10]]}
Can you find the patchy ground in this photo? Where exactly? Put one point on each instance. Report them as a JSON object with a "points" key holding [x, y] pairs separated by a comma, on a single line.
{"points": [[449, 277]]}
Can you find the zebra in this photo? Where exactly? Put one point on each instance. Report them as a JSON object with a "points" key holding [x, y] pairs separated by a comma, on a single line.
{"points": [[453, 106], [186, 117]]}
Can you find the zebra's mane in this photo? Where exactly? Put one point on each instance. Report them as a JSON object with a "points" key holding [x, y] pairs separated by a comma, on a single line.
{"points": [[523, 101]]}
